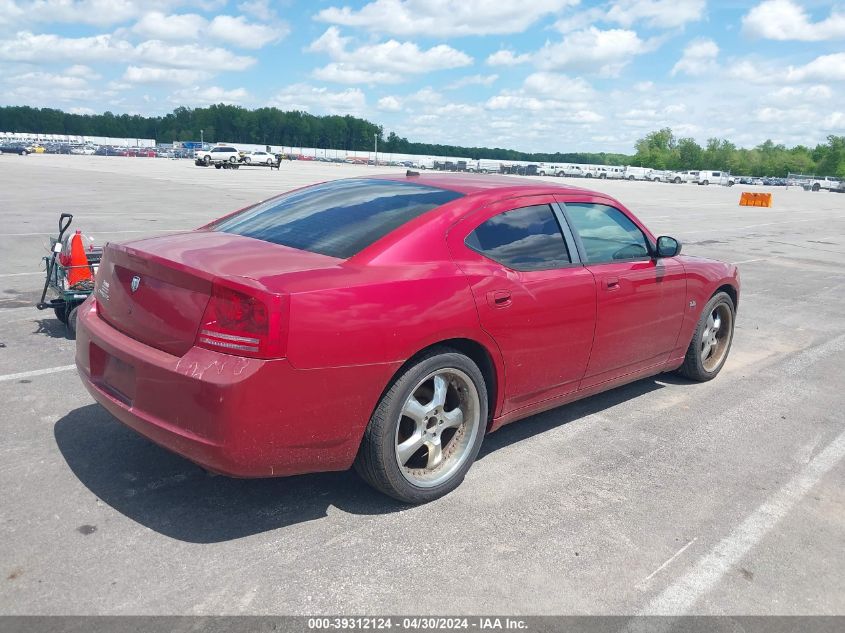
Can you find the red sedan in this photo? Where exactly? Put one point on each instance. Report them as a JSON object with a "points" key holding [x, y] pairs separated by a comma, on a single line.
{"points": [[390, 323]]}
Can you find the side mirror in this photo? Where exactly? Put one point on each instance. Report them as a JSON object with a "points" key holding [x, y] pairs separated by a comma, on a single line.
{"points": [[668, 246]]}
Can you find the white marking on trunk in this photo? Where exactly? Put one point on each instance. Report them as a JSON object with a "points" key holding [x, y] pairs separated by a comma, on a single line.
{"points": [[36, 372]]}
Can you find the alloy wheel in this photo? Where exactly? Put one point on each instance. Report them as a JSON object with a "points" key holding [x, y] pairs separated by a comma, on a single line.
{"points": [[437, 427], [716, 336]]}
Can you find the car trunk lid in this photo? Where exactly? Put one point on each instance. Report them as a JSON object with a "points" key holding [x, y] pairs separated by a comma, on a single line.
{"points": [[156, 290]]}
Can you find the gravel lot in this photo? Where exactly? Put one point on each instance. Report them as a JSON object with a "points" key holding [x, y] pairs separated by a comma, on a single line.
{"points": [[659, 497]]}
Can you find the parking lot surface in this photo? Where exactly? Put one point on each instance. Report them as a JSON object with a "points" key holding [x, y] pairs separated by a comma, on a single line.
{"points": [[663, 496]]}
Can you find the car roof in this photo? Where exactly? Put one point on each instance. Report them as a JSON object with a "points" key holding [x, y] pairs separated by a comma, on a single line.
{"points": [[469, 184]]}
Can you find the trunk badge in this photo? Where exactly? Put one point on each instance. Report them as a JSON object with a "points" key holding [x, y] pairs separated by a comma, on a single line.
{"points": [[136, 282]]}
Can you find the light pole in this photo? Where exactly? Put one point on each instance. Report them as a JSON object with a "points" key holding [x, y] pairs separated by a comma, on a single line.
{"points": [[375, 148], [202, 143]]}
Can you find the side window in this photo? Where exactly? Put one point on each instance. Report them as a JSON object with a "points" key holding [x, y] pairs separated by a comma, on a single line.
{"points": [[524, 239], [607, 234]]}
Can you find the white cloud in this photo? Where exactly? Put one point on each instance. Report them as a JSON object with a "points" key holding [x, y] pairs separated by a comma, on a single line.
{"points": [[80, 70], [389, 104], [656, 13], [39, 78], [28, 47], [444, 18], [823, 68], [699, 58], [259, 9], [473, 80], [156, 25], [238, 31], [209, 96], [386, 62], [350, 74], [569, 97], [819, 92], [152, 75], [81, 110], [191, 56], [787, 20], [320, 100], [91, 12], [505, 57], [593, 50]]}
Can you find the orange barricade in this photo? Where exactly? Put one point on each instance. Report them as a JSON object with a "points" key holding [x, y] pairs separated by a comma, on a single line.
{"points": [[755, 199]]}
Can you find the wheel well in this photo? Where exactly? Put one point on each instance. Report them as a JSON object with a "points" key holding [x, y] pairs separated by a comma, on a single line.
{"points": [[731, 292], [476, 352]]}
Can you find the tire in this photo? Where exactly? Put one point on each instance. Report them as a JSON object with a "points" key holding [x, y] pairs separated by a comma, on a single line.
{"points": [[630, 178], [705, 183], [217, 166], [232, 160], [589, 175], [269, 161], [411, 478], [61, 313], [207, 160], [816, 187], [701, 362], [677, 181], [71, 322]]}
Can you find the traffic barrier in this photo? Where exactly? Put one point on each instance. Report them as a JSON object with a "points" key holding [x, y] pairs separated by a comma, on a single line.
{"points": [[78, 269], [748, 199]]}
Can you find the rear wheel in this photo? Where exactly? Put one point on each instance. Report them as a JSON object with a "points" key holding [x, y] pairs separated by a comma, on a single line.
{"points": [[677, 180], [711, 342], [232, 160], [427, 429], [61, 313], [71, 322]]}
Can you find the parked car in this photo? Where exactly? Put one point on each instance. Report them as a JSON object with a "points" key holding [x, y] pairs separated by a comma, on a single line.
{"points": [[264, 158], [14, 148], [219, 154], [391, 322]]}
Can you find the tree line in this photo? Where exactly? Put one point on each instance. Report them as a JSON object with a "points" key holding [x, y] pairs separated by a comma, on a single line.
{"points": [[271, 126], [662, 150]]}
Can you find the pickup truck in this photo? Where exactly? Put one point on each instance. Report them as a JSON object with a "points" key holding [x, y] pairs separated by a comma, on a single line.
{"points": [[827, 183]]}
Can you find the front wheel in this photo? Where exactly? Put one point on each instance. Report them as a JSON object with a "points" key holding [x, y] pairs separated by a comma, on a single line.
{"points": [[232, 160], [427, 429], [207, 160], [711, 342]]}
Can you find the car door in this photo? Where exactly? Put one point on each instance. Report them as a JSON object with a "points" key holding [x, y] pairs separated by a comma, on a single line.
{"points": [[640, 299], [533, 295]]}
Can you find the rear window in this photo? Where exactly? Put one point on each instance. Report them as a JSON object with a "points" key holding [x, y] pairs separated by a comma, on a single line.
{"points": [[338, 218]]}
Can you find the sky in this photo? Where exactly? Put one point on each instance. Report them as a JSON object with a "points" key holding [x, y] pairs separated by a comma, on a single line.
{"points": [[533, 75]]}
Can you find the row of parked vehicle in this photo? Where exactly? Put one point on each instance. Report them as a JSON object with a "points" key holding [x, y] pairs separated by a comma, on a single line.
{"points": [[89, 149]]}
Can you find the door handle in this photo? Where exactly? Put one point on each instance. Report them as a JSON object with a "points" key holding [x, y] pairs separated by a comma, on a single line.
{"points": [[499, 298], [611, 283]]}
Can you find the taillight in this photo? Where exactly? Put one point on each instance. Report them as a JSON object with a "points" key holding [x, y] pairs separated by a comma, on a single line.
{"points": [[242, 322]]}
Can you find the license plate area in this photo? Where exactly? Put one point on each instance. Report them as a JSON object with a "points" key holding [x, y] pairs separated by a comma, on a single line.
{"points": [[112, 375]]}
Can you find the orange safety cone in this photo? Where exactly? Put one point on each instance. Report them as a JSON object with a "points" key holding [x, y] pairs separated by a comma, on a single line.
{"points": [[79, 269]]}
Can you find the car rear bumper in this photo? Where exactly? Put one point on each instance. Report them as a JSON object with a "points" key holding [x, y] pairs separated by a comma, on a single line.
{"points": [[237, 416]]}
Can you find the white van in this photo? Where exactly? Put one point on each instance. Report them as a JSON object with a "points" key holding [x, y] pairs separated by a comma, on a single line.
{"points": [[489, 166], [715, 178]]}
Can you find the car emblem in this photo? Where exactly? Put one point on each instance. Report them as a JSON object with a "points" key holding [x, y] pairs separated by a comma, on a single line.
{"points": [[136, 282]]}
